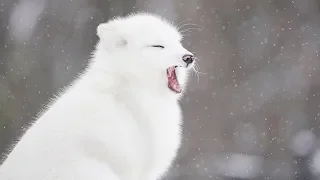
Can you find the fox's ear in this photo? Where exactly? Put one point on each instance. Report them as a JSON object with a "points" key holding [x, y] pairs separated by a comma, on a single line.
{"points": [[111, 36]]}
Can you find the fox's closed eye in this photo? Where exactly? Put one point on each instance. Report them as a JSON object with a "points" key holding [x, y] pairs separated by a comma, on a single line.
{"points": [[158, 46]]}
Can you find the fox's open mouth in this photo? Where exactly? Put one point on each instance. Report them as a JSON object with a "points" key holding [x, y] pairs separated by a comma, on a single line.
{"points": [[173, 82]]}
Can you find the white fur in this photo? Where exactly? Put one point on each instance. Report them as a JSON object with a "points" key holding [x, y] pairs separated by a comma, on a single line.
{"points": [[118, 120]]}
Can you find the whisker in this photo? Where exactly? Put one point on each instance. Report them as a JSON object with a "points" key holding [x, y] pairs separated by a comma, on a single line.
{"points": [[181, 22], [188, 30], [196, 70], [185, 32], [196, 59], [190, 24], [196, 73]]}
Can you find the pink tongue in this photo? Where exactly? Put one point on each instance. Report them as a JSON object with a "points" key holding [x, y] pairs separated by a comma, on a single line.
{"points": [[173, 83]]}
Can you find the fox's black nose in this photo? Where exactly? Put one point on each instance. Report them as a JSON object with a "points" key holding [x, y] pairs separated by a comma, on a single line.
{"points": [[188, 58]]}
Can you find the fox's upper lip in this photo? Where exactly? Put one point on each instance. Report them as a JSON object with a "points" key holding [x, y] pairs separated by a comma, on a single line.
{"points": [[188, 66]]}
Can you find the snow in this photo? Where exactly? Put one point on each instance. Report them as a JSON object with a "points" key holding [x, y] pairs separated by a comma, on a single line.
{"points": [[253, 111]]}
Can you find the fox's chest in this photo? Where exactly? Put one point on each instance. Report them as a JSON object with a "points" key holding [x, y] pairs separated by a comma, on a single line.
{"points": [[166, 132], [159, 121], [162, 120]]}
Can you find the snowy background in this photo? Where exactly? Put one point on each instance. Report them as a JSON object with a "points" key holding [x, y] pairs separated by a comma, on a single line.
{"points": [[254, 113]]}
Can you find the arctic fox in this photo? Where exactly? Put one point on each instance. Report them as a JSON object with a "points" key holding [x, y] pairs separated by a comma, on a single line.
{"points": [[120, 119]]}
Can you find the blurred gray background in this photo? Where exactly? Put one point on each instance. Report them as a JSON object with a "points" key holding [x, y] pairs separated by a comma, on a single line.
{"points": [[253, 112]]}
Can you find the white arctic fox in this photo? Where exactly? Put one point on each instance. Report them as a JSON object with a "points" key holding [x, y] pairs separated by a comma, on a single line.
{"points": [[120, 120]]}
